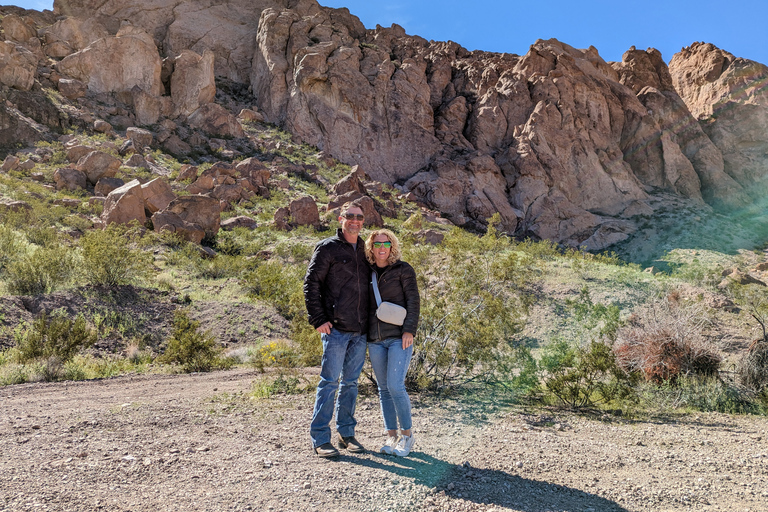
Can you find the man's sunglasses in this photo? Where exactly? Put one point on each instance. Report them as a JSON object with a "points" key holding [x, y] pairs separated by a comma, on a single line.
{"points": [[354, 216], [379, 245]]}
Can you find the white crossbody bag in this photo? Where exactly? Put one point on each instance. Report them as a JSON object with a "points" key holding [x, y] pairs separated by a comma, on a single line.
{"points": [[386, 311]]}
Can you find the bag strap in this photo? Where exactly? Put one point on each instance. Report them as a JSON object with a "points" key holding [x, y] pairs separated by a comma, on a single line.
{"points": [[376, 293]]}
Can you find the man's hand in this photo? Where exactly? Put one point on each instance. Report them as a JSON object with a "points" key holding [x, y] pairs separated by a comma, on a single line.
{"points": [[326, 328], [407, 340]]}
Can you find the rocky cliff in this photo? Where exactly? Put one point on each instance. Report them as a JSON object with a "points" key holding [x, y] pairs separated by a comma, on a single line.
{"points": [[564, 145]]}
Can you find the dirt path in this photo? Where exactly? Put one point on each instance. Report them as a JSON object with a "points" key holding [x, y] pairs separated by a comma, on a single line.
{"points": [[195, 442]]}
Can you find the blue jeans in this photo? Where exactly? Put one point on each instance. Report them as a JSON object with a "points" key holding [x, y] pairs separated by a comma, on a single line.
{"points": [[390, 364], [343, 358]]}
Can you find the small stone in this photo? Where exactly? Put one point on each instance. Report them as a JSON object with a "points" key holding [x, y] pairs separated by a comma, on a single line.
{"points": [[306, 485]]}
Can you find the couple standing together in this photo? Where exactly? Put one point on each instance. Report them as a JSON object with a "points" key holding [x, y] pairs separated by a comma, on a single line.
{"points": [[342, 305]]}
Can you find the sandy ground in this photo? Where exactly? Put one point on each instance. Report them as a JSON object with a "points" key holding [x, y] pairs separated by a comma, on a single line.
{"points": [[199, 442]]}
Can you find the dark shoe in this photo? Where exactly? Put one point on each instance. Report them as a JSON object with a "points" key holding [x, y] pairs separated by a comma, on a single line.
{"points": [[351, 444], [326, 450]]}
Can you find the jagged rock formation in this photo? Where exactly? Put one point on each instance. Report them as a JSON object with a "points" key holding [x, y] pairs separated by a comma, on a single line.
{"points": [[562, 144], [729, 96]]}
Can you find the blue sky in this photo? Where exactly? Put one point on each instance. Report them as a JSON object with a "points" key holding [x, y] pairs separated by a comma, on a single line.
{"points": [[611, 26]]}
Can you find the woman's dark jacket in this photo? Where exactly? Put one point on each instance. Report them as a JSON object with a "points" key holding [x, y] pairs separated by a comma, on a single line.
{"points": [[336, 285], [397, 284]]}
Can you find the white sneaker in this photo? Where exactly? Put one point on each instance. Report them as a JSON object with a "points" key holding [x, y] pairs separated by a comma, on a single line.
{"points": [[389, 445], [405, 445]]}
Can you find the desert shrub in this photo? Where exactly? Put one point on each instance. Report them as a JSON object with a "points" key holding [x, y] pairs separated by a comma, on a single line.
{"points": [[281, 286], [471, 314], [11, 246], [219, 267], [665, 341], [11, 373], [584, 376], [753, 298], [702, 393], [275, 353], [752, 369], [282, 384], [54, 341], [597, 320], [193, 350], [229, 243], [44, 236], [109, 259], [43, 270]]}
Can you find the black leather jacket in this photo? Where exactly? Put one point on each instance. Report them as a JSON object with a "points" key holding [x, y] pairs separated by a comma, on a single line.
{"points": [[397, 284], [336, 285]]}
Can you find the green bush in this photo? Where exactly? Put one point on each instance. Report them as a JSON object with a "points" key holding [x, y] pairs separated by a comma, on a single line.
{"points": [[11, 246], [274, 353], [290, 385], [471, 315], [584, 376], [703, 393], [44, 270], [193, 350], [109, 258], [53, 341], [281, 286]]}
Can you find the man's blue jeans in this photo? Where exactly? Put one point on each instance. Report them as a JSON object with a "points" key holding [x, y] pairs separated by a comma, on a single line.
{"points": [[343, 358], [390, 364]]}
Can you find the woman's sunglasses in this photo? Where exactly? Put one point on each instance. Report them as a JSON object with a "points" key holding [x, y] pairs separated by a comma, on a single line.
{"points": [[354, 216], [379, 245]]}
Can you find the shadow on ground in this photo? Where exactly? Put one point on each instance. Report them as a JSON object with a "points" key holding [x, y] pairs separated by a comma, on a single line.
{"points": [[486, 486]]}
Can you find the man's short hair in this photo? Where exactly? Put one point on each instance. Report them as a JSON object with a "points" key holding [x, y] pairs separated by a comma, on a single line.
{"points": [[357, 203]]}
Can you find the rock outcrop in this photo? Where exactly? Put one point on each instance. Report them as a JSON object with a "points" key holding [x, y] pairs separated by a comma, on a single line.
{"points": [[729, 97], [560, 143]]}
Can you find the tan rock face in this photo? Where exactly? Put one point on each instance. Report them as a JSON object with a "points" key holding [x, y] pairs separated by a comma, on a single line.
{"points": [[98, 164], [17, 66], [216, 120], [18, 29], [157, 195], [192, 82], [124, 205], [115, 64], [728, 95], [196, 209], [72, 34]]}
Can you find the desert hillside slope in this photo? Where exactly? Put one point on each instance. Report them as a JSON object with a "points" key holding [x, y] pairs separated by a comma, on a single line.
{"points": [[564, 145]]}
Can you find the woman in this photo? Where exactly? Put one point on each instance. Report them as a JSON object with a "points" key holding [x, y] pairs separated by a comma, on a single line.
{"points": [[390, 346]]}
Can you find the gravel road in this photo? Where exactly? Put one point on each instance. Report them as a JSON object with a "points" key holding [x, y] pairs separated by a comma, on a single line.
{"points": [[198, 442]]}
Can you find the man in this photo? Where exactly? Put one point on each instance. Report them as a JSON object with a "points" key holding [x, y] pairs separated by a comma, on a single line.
{"points": [[336, 295]]}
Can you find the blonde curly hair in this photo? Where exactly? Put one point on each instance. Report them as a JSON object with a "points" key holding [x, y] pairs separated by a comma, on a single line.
{"points": [[394, 252]]}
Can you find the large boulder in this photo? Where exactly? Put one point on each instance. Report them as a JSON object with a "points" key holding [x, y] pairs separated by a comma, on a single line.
{"points": [[72, 89], [72, 34], [124, 205], [157, 195], [214, 119], [173, 223], [192, 82], [197, 209], [304, 212], [18, 29], [98, 164], [117, 64], [69, 179], [18, 66]]}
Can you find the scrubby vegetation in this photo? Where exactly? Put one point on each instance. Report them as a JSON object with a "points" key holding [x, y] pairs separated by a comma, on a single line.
{"points": [[528, 319]]}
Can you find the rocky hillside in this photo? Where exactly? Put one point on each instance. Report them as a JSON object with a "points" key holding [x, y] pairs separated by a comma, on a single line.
{"points": [[564, 145]]}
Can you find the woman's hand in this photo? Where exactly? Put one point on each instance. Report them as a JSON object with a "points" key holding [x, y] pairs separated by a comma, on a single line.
{"points": [[407, 340]]}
